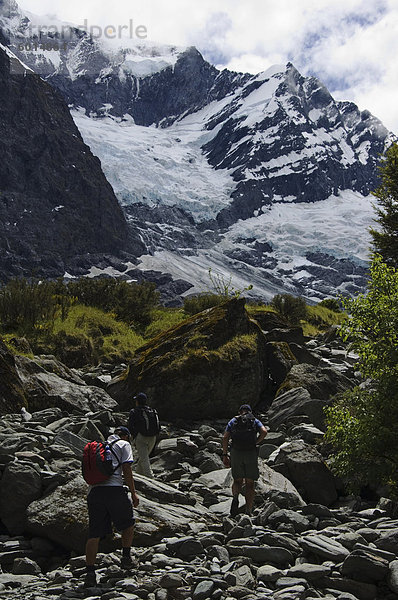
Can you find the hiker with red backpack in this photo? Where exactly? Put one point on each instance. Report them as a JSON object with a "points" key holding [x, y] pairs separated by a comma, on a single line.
{"points": [[246, 433], [104, 466], [144, 427]]}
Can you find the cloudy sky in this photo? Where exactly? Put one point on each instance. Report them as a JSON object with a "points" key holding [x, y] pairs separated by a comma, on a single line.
{"points": [[351, 45]]}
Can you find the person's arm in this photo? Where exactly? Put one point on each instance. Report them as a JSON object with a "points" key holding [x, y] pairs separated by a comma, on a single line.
{"points": [[262, 432], [128, 478], [225, 455], [132, 423]]}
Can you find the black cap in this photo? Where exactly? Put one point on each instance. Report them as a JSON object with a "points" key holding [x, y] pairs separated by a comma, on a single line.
{"points": [[122, 430], [141, 398], [245, 407]]}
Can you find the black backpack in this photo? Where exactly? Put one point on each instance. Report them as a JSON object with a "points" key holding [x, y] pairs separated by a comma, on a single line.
{"points": [[146, 421], [244, 432]]}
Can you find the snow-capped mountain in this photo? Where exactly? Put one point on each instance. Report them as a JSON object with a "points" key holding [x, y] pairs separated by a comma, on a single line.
{"points": [[263, 177]]}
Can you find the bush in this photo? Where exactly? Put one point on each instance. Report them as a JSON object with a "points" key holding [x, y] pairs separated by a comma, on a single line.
{"points": [[363, 425], [89, 335], [331, 304], [293, 308], [130, 302], [27, 306], [196, 304]]}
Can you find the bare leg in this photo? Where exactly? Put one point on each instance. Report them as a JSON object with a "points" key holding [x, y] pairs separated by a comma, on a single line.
{"points": [[127, 537], [249, 494], [91, 551], [237, 486]]}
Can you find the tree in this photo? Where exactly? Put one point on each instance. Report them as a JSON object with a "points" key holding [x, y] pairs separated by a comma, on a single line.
{"points": [[385, 239], [363, 423]]}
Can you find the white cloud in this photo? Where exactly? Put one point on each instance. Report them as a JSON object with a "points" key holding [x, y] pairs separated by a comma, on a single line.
{"points": [[351, 45]]}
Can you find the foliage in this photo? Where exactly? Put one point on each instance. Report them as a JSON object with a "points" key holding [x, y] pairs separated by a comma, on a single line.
{"points": [[385, 240], [130, 302], [196, 304], [28, 306], [163, 319], [91, 328], [363, 425], [331, 304], [320, 318], [223, 287], [293, 308]]}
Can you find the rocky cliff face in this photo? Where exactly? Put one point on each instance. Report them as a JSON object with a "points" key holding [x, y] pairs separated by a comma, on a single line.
{"points": [[55, 203]]}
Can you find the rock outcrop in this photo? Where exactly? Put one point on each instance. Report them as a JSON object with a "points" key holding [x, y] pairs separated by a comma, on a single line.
{"points": [[56, 207], [207, 365]]}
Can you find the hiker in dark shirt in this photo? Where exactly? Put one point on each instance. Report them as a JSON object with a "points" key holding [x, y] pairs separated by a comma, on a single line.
{"points": [[246, 433], [144, 428]]}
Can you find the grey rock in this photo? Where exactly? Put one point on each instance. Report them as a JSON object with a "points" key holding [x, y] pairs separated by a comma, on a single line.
{"points": [[20, 485], [393, 576], [325, 547], [171, 580], [25, 566], [388, 541], [308, 433], [263, 554], [203, 590], [309, 571], [360, 589], [364, 566], [299, 522], [304, 467], [296, 401], [268, 573], [44, 388]]}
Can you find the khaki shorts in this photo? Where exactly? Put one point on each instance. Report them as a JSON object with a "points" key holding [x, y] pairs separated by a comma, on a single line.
{"points": [[244, 464]]}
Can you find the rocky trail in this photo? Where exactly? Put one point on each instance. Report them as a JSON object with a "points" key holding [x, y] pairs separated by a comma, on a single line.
{"points": [[306, 539]]}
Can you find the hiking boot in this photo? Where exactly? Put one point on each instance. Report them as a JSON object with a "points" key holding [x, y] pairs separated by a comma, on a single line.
{"points": [[234, 506], [126, 562], [90, 580]]}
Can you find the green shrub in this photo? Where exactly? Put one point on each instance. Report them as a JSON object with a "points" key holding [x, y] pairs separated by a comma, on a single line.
{"points": [[196, 304], [331, 304], [293, 308], [27, 306], [89, 335], [130, 302]]}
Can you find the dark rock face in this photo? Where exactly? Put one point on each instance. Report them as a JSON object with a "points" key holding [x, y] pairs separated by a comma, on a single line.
{"points": [[55, 203], [12, 396]]}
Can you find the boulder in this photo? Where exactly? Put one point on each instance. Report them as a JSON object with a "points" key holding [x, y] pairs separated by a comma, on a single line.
{"points": [[393, 576], [12, 396], [304, 467], [280, 360], [363, 565], [45, 389], [322, 383], [294, 402], [62, 517], [201, 368], [269, 319], [20, 485]]}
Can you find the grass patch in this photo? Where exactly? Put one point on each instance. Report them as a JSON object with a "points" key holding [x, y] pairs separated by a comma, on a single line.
{"points": [[107, 338], [321, 317], [163, 319]]}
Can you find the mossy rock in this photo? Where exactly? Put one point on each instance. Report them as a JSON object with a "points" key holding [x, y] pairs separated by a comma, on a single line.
{"points": [[74, 350], [280, 360], [205, 366], [12, 396], [268, 319]]}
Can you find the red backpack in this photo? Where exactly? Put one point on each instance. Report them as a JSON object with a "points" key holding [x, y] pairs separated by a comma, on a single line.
{"points": [[97, 464]]}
